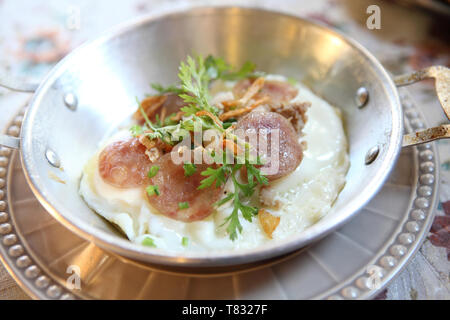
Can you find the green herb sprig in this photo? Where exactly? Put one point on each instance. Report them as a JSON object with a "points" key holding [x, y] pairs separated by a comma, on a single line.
{"points": [[195, 82], [195, 77], [242, 193], [149, 242], [169, 89]]}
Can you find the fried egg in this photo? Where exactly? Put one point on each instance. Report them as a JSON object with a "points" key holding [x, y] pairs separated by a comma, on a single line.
{"points": [[300, 199]]}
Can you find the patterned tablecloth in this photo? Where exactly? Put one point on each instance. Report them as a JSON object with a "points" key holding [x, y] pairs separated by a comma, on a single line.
{"points": [[36, 34]]}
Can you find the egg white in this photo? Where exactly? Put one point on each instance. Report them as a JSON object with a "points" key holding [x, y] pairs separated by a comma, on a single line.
{"points": [[300, 199]]}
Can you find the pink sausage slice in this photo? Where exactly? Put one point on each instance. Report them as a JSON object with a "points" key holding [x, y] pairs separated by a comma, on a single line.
{"points": [[289, 150], [278, 91], [173, 104], [124, 164], [176, 188]]}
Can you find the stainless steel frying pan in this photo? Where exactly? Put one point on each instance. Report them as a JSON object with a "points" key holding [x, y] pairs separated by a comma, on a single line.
{"points": [[93, 89]]}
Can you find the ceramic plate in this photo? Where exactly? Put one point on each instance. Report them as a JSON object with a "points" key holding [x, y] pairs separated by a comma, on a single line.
{"points": [[355, 262]]}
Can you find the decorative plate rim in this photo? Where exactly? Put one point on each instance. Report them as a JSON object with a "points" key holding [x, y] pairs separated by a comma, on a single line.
{"points": [[412, 229], [407, 238]]}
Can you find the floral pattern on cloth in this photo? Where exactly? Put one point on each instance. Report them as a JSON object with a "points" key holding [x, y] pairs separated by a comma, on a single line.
{"points": [[440, 230]]}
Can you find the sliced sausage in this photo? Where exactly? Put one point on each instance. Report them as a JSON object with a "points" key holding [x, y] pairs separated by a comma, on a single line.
{"points": [[175, 188], [295, 112], [124, 164], [163, 106], [278, 91], [288, 150], [173, 104]]}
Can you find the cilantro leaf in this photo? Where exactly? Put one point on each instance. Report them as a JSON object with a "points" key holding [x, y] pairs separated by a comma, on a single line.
{"points": [[168, 120], [169, 89], [234, 225], [219, 175], [158, 123], [253, 172], [216, 66], [228, 123], [153, 171], [195, 75], [292, 81], [136, 130], [247, 189], [183, 205], [248, 212], [152, 190], [195, 80], [244, 72], [189, 169], [148, 242], [225, 200]]}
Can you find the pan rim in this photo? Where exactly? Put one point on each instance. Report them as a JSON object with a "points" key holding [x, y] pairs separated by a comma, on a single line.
{"points": [[128, 249]]}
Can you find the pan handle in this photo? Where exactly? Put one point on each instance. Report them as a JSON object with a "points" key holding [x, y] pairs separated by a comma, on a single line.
{"points": [[441, 75], [14, 85]]}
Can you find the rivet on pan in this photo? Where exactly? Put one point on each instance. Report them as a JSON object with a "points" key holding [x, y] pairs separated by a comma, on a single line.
{"points": [[71, 101], [52, 158], [372, 154], [362, 96]]}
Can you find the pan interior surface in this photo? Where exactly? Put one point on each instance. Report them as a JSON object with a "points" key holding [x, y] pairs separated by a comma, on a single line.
{"points": [[107, 75]]}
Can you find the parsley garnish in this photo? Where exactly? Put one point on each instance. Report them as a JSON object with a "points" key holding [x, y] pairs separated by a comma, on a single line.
{"points": [[241, 191], [292, 81], [148, 242], [153, 171], [205, 70], [152, 190], [189, 169], [218, 175], [169, 89], [183, 205], [195, 76], [136, 130], [228, 123], [217, 68], [195, 81]]}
